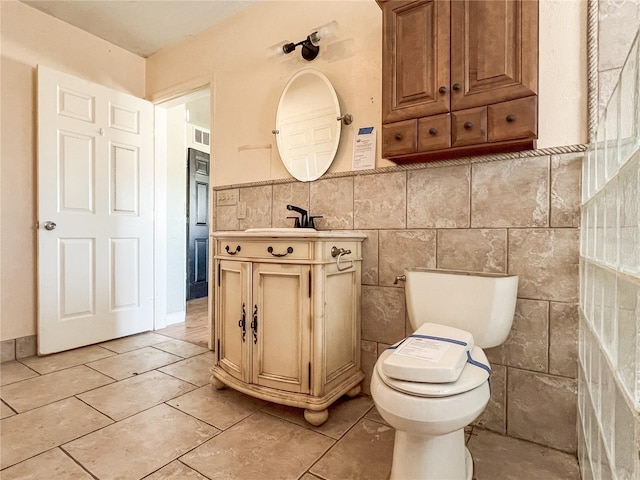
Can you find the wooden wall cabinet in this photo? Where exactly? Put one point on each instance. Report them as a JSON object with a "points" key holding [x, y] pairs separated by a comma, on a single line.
{"points": [[459, 77], [287, 317]]}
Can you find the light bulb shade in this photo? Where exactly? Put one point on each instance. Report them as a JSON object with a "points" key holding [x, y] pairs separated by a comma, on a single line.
{"points": [[325, 33], [276, 51]]}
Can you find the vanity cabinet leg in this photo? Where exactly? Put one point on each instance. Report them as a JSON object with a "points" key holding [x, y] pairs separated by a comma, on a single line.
{"points": [[354, 391], [216, 383], [316, 417]]}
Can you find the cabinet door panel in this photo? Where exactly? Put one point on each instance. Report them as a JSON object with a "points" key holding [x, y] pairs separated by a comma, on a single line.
{"points": [[514, 119], [494, 51], [232, 304], [399, 138], [281, 349], [415, 59], [434, 132], [469, 127]]}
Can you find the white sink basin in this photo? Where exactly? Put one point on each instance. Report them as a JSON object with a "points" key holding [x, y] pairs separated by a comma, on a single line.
{"points": [[280, 230]]}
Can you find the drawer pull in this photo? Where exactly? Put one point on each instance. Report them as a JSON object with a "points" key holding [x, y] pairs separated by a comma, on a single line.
{"points": [[456, 86], [234, 252], [511, 118], [442, 90], [289, 250], [433, 131], [398, 136], [468, 125]]}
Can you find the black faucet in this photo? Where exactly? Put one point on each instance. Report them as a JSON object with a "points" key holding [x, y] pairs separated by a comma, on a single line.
{"points": [[305, 221]]}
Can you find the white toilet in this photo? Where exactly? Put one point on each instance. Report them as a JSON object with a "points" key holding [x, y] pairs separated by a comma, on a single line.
{"points": [[435, 382]]}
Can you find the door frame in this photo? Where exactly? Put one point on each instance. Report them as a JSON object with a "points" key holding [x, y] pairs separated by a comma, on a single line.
{"points": [[162, 100]]}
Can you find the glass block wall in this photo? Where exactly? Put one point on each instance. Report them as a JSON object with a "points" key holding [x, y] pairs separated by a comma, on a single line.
{"points": [[609, 335]]}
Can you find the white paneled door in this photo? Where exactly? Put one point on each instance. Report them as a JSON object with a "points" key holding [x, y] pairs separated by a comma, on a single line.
{"points": [[95, 213]]}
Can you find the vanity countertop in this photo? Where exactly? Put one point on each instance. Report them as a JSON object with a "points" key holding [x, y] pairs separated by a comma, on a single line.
{"points": [[290, 233]]}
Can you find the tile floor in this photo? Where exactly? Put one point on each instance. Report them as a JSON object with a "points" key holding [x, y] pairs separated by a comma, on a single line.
{"points": [[142, 407]]}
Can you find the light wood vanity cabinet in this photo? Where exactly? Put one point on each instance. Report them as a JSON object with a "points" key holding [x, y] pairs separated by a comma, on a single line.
{"points": [[459, 78], [287, 317]]}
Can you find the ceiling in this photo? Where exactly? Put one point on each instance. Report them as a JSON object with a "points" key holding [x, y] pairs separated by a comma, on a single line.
{"points": [[141, 26]]}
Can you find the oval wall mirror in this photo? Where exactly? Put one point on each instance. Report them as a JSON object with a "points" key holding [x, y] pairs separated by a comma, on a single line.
{"points": [[308, 129]]}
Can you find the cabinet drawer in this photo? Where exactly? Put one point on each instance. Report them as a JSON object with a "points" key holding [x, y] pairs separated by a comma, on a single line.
{"points": [[434, 132], [399, 138], [512, 120], [266, 249], [469, 127]]}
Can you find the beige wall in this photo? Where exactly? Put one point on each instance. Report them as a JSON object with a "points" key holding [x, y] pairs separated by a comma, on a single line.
{"points": [[246, 85], [29, 37]]}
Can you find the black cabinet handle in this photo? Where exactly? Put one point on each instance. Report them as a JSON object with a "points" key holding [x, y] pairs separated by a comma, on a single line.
{"points": [[289, 250], [242, 323], [468, 125], [442, 90], [398, 136], [234, 252], [511, 118], [254, 324], [433, 131], [456, 86]]}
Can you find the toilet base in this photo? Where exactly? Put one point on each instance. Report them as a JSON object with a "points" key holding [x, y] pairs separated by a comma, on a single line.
{"points": [[423, 457]]}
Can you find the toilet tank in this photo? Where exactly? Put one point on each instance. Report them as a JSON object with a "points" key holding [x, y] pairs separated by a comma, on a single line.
{"points": [[480, 303]]}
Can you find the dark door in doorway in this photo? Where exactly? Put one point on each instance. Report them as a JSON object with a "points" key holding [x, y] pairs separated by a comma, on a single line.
{"points": [[197, 223]]}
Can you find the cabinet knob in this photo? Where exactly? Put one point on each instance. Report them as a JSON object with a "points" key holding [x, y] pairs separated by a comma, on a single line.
{"points": [[433, 131], [456, 86], [442, 90], [468, 125], [398, 136], [511, 118]]}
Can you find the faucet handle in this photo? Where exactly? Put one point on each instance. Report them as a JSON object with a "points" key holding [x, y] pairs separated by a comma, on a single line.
{"points": [[311, 220], [296, 224]]}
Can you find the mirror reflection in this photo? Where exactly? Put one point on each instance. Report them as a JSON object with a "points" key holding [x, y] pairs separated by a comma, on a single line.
{"points": [[308, 129]]}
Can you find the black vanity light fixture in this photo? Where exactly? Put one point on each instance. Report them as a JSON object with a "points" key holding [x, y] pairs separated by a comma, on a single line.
{"points": [[310, 45]]}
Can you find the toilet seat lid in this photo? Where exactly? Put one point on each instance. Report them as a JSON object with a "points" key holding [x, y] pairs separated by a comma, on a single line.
{"points": [[472, 376]]}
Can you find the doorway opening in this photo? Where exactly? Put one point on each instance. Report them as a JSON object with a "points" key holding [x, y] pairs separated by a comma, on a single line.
{"points": [[182, 216]]}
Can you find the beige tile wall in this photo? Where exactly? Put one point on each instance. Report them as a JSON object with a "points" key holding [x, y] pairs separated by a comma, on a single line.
{"points": [[518, 216]]}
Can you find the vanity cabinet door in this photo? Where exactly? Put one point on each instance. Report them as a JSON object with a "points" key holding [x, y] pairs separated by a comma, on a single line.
{"points": [[233, 311], [415, 59], [494, 52], [281, 309]]}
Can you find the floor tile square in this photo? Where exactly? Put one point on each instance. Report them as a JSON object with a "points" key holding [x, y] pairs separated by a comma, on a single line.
{"points": [[196, 370], [36, 431], [139, 445], [135, 394], [364, 453], [259, 447], [5, 410], [133, 363], [507, 458], [176, 471], [343, 415], [14, 371], [220, 408], [133, 342], [45, 389], [52, 465], [70, 358], [181, 348]]}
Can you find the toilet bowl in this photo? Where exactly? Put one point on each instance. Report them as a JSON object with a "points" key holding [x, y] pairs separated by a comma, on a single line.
{"points": [[435, 382], [429, 423]]}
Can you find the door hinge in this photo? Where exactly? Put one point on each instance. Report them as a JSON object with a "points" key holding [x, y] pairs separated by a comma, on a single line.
{"points": [[218, 350], [218, 274], [309, 376], [309, 283]]}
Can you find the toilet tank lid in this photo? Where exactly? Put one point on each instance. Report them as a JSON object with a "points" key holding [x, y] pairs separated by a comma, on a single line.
{"points": [[432, 354]]}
